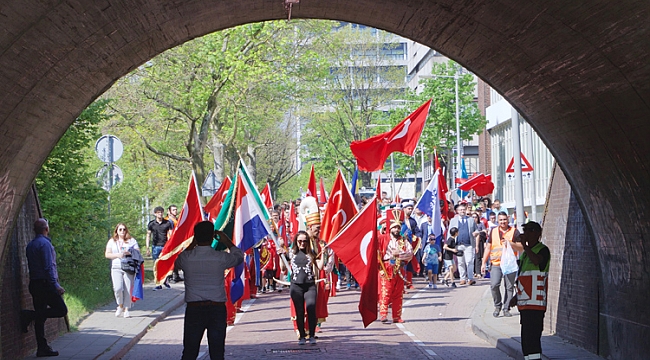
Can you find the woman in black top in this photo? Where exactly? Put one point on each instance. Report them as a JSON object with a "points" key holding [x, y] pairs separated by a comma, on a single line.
{"points": [[304, 269]]}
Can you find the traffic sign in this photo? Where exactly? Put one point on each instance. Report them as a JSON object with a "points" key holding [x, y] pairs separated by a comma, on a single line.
{"points": [[525, 165], [210, 185], [104, 176], [109, 148], [524, 175]]}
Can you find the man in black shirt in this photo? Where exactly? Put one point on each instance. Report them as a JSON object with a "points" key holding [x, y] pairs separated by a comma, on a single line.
{"points": [[160, 230]]}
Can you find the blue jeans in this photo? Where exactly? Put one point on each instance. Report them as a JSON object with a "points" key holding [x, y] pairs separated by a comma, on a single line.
{"points": [[155, 252], [197, 320]]}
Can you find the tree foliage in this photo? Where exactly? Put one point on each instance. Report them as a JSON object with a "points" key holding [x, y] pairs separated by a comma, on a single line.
{"points": [[440, 131], [222, 96], [75, 207], [365, 77]]}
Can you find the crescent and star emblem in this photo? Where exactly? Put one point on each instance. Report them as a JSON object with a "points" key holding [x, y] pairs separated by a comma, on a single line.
{"points": [[343, 214], [363, 248], [183, 216], [403, 132], [341, 211]]}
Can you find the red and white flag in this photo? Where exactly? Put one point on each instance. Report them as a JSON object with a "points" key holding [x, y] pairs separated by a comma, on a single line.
{"points": [[311, 187], [442, 187], [293, 221], [340, 209], [371, 154], [356, 245], [322, 197], [191, 214], [216, 202], [266, 197], [378, 189]]}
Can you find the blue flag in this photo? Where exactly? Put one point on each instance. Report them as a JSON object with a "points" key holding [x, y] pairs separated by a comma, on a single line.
{"points": [[463, 175], [353, 188], [256, 258], [429, 204]]}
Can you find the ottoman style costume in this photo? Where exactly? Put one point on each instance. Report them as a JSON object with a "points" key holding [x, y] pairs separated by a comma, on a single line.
{"points": [[396, 252]]}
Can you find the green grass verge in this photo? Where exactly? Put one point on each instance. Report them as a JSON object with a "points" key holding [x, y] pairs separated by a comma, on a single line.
{"points": [[91, 289]]}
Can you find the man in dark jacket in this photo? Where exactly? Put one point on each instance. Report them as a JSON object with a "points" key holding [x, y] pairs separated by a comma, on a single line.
{"points": [[47, 294]]}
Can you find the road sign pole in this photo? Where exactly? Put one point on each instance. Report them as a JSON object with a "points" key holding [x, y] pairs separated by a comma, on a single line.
{"points": [[516, 150], [531, 180], [110, 180]]}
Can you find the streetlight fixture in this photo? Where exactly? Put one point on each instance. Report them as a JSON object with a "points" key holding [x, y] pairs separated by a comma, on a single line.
{"points": [[456, 76], [392, 163]]}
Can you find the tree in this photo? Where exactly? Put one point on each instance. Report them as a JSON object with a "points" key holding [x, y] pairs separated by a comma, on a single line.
{"points": [[364, 79], [75, 207], [440, 131], [219, 95]]}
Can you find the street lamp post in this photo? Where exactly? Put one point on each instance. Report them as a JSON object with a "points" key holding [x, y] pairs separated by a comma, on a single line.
{"points": [[456, 77], [392, 163]]}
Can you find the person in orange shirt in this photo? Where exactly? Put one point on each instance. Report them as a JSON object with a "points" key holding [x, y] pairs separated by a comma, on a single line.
{"points": [[494, 247]]}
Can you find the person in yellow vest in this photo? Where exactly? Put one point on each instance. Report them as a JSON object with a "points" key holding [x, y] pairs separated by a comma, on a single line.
{"points": [[494, 248], [532, 290]]}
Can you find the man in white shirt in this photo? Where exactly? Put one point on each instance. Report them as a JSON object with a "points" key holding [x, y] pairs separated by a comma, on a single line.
{"points": [[205, 294]]}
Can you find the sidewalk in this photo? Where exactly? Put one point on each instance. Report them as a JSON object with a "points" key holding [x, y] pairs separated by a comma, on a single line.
{"points": [[504, 334], [101, 335]]}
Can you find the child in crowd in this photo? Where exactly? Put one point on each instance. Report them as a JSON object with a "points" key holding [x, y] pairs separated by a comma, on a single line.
{"points": [[450, 251], [430, 259]]}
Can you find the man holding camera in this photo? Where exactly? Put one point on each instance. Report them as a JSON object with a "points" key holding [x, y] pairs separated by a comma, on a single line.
{"points": [[532, 290], [205, 293]]}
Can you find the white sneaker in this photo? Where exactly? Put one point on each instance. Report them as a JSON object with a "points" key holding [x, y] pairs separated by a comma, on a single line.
{"points": [[435, 286], [126, 313], [430, 285], [119, 311]]}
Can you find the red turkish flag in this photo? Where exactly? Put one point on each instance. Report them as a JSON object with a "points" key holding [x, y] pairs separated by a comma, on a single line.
{"points": [[216, 202], [293, 221], [340, 209], [311, 187], [441, 178], [322, 198], [481, 184], [191, 214], [266, 197], [356, 246], [371, 154], [442, 187], [282, 227], [469, 184]]}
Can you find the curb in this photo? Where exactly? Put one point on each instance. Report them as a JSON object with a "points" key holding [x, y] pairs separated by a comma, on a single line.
{"points": [[554, 347], [124, 350], [505, 343]]}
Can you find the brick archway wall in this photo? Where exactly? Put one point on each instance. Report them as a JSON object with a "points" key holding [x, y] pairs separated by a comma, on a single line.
{"points": [[578, 72]]}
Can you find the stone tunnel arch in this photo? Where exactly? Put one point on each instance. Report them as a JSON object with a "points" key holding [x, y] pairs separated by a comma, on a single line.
{"points": [[577, 71]]}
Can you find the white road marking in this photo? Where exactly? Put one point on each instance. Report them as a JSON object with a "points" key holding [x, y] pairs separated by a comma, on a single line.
{"points": [[245, 305], [417, 341]]}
